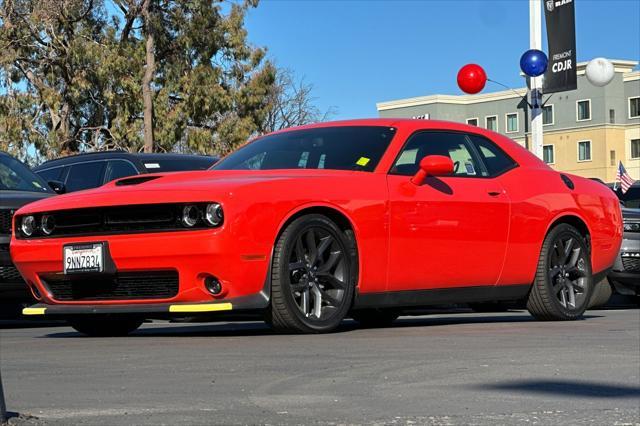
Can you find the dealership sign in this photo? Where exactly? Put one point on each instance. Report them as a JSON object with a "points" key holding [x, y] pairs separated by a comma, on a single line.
{"points": [[561, 35]]}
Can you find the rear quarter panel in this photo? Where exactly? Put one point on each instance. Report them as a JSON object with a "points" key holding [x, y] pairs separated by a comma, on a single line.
{"points": [[539, 200]]}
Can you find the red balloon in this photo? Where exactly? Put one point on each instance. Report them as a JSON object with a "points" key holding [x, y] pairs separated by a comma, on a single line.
{"points": [[472, 78]]}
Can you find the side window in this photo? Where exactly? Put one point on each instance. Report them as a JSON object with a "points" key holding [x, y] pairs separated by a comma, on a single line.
{"points": [[453, 145], [51, 174], [119, 169], [494, 159], [85, 176]]}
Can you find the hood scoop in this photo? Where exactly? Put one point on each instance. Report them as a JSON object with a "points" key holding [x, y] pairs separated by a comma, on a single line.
{"points": [[135, 180]]}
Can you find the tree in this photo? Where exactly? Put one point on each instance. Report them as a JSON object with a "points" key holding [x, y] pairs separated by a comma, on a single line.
{"points": [[205, 88], [291, 103], [49, 54], [164, 74]]}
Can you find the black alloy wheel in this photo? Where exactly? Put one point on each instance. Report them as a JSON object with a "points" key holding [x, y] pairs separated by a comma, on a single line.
{"points": [[564, 283], [313, 276]]}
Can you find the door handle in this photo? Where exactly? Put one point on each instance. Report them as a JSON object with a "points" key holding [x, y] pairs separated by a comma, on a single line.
{"points": [[494, 193]]}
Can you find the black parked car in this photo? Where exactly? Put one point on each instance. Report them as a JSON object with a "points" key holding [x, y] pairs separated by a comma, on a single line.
{"points": [[85, 171], [18, 186]]}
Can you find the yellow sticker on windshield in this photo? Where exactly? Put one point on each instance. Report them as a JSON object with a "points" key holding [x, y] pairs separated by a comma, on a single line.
{"points": [[363, 161]]}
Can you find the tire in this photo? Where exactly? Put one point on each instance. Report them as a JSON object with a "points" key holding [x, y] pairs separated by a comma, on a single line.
{"points": [[375, 318], [314, 261], [601, 294], [105, 326], [563, 283], [486, 307]]}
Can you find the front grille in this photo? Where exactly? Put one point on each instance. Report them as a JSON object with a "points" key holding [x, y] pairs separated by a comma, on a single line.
{"points": [[9, 274], [122, 286], [631, 264], [116, 219], [5, 221]]}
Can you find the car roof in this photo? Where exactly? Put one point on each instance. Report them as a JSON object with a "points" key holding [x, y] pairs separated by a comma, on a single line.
{"points": [[109, 155]]}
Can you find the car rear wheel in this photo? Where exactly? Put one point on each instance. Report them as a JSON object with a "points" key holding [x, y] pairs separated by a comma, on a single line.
{"points": [[312, 276], [563, 283], [373, 318], [105, 326]]}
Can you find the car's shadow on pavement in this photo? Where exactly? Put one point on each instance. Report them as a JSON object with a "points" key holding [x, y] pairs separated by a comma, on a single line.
{"points": [[565, 388], [258, 328]]}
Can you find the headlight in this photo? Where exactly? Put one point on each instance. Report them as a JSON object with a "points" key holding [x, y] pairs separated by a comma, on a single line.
{"points": [[213, 214], [28, 225], [47, 224], [631, 227], [190, 216]]}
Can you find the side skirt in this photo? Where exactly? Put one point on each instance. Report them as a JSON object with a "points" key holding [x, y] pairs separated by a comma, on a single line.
{"points": [[440, 296]]}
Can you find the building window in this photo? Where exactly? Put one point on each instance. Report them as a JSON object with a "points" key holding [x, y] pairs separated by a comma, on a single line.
{"points": [[635, 148], [424, 116], [583, 110], [512, 122], [491, 123], [612, 157], [472, 122], [547, 115], [612, 116], [584, 151], [634, 107], [547, 154]]}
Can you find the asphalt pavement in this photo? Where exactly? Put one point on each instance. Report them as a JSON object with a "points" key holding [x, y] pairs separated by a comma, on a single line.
{"points": [[440, 369]]}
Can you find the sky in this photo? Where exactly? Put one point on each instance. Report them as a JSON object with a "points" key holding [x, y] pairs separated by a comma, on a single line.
{"points": [[359, 52]]}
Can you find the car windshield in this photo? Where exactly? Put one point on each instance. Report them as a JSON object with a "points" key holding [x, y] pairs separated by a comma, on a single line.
{"points": [[15, 176], [335, 148]]}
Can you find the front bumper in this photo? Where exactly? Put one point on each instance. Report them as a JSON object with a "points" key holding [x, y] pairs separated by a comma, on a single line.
{"points": [[12, 286], [239, 305], [626, 270], [194, 255]]}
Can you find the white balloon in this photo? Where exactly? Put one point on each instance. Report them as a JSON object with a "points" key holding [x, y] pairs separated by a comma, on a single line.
{"points": [[600, 72]]}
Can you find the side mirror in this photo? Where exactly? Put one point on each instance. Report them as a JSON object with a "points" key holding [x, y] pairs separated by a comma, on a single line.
{"points": [[57, 186], [433, 165]]}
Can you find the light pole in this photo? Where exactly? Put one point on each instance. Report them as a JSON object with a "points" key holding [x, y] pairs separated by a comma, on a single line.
{"points": [[535, 91]]}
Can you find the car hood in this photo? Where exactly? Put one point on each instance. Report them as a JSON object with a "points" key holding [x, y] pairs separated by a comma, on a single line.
{"points": [[17, 199], [206, 185]]}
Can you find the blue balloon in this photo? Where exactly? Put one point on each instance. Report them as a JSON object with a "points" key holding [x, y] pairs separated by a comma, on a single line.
{"points": [[534, 62]]}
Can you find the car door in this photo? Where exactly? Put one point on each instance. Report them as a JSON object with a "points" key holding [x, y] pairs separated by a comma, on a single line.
{"points": [[450, 231]]}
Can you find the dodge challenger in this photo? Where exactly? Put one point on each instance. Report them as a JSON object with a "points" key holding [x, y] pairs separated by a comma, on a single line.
{"points": [[313, 224]]}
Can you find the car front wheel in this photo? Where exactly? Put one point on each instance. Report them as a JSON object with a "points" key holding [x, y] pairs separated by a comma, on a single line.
{"points": [[312, 276], [563, 283]]}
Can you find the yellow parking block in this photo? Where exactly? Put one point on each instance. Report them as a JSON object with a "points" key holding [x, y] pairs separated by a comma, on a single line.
{"points": [[204, 307], [33, 311]]}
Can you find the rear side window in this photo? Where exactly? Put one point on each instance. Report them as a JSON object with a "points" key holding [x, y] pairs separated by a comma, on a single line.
{"points": [[85, 176], [51, 174], [119, 169], [494, 159], [453, 145]]}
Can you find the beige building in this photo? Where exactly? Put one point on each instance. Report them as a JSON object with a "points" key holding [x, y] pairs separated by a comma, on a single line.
{"points": [[586, 131]]}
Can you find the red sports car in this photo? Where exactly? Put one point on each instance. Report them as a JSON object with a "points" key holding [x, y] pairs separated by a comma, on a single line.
{"points": [[309, 225]]}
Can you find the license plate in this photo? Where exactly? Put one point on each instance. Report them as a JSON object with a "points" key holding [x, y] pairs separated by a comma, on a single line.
{"points": [[83, 258]]}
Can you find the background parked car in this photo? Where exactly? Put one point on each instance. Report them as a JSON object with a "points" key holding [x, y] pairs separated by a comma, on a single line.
{"points": [[18, 186], [85, 171], [625, 276]]}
